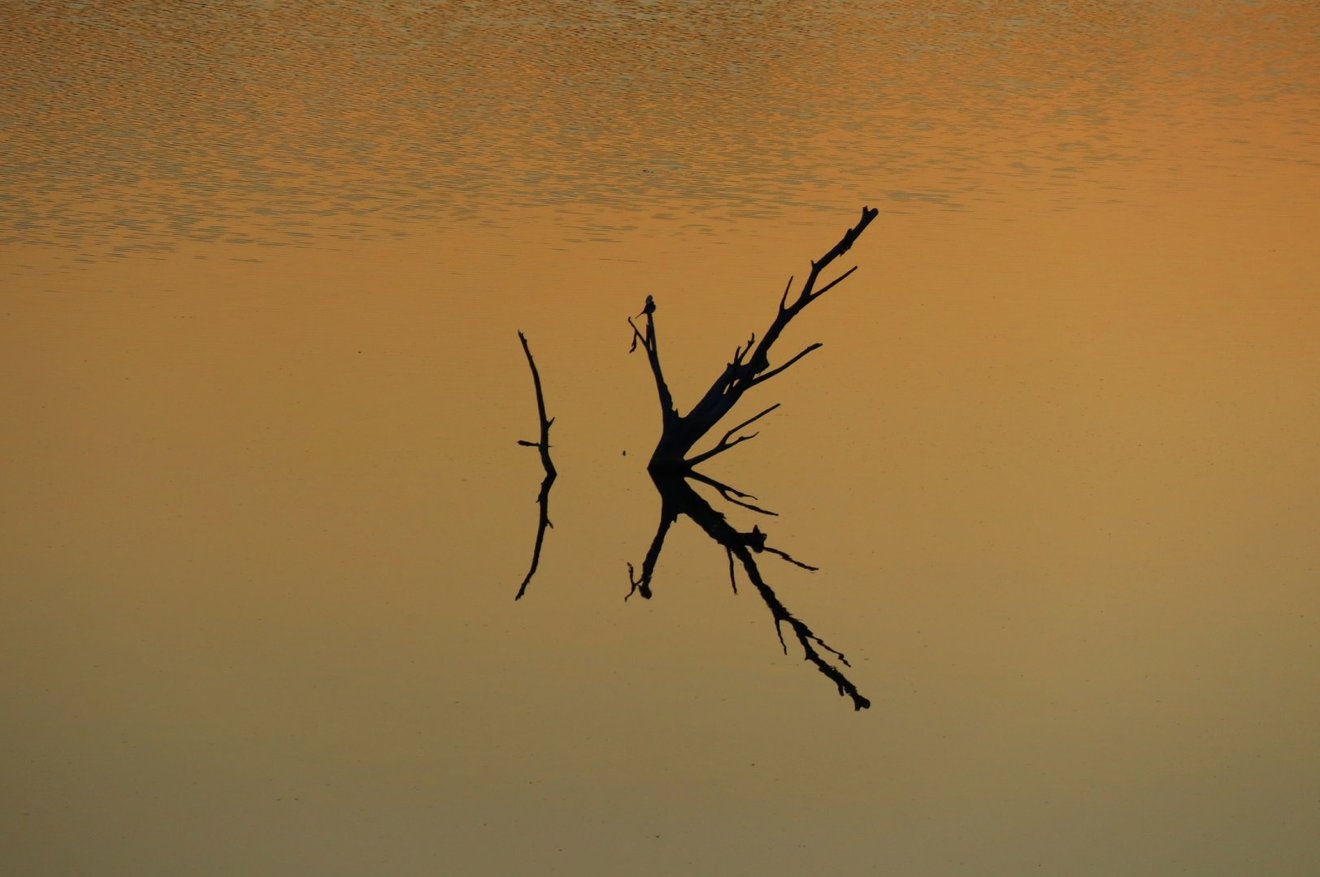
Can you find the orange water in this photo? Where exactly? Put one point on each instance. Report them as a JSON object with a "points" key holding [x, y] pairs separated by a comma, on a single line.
{"points": [[264, 514]]}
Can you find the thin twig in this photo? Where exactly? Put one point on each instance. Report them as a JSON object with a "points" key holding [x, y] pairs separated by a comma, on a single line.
{"points": [[543, 498], [724, 443], [732, 494], [790, 558], [765, 376]]}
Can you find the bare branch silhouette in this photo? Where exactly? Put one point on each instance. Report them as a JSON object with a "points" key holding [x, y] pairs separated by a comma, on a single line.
{"points": [[543, 445], [725, 444], [732, 494], [749, 366], [671, 464], [679, 499]]}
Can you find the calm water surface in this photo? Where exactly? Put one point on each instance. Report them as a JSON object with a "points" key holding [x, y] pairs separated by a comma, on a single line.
{"points": [[261, 269]]}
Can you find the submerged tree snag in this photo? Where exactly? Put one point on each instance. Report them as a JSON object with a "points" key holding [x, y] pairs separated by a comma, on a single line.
{"points": [[672, 463], [543, 445], [750, 366]]}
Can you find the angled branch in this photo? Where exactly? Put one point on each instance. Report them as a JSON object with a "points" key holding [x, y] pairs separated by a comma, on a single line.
{"points": [[765, 376], [678, 498], [786, 556], [732, 494], [740, 352], [783, 299], [642, 584], [807, 294], [724, 443], [806, 638], [750, 365], [835, 282]]}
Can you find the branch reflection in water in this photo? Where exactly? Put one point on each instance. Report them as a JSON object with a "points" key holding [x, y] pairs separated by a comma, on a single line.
{"points": [[671, 467], [678, 498]]}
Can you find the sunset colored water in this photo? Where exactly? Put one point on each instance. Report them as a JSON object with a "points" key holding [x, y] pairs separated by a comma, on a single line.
{"points": [[262, 269]]}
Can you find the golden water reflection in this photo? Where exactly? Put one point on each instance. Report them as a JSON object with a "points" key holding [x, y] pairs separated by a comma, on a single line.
{"points": [[264, 514]]}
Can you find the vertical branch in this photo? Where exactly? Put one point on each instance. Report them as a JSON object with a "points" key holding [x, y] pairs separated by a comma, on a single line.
{"points": [[543, 445], [543, 522], [651, 344]]}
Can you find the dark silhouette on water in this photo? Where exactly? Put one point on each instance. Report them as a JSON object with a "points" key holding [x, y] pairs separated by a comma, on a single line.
{"points": [[672, 463], [678, 498], [750, 366], [543, 445]]}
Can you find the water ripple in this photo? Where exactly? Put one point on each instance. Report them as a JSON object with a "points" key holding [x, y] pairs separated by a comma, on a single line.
{"points": [[277, 123]]}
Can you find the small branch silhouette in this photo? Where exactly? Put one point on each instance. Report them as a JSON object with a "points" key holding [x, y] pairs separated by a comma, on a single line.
{"points": [[543, 445]]}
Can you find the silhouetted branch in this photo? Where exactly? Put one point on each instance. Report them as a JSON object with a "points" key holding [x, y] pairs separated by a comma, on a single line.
{"points": [[643, 585], [543, 498], [543, 522], [677, 497], [793, 560], [749, 366], [725, 444], [732, 494], [672, 463], [651, 345], [544, 443], [765, 376], [807, 639]]}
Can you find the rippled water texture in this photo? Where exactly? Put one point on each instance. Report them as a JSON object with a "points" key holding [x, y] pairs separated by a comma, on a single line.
{"points": [[147, 123], [263, 512]]}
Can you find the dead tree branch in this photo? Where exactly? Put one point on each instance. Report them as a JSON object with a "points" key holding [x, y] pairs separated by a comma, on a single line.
{"points": [[678, 498], [732, 494], [749, 366], [672, 462], [642, 584], [725, 444], [668, 413], [543, 445], [807, 639]]}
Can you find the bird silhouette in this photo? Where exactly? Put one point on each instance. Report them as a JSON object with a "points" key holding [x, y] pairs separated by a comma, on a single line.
{"points": [[649, 308]]}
